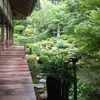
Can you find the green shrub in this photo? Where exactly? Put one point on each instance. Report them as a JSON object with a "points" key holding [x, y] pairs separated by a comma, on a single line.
{"points": [[19, 28], [71, 40], [48, 39], [66, 45], [60, 43], [31, 59], [27, 51], [28, 45], [33, 39], [15, 36], [82, 91], [47, 42], [37, 50], [48, 53], [63, 52], [43, 59], [30, 31], [64, 37]]}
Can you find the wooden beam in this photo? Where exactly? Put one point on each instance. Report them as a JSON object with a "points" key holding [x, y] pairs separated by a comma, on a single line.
{"points": [[2, 30]]}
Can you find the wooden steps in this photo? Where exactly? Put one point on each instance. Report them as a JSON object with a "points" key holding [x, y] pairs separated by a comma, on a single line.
{"points": [[15, 78]]}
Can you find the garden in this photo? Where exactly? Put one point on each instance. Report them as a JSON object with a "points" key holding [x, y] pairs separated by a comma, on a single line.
{"points": [[56, 32]]}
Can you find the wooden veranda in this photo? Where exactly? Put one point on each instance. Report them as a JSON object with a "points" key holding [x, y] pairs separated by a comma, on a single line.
{"points": [[15, 78]]}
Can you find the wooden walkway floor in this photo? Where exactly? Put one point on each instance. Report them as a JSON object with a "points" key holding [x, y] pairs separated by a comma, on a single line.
{"points": [[15, 78]]}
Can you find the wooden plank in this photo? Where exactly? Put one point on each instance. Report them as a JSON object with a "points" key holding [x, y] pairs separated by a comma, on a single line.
{"points": [[12, 59], [18, 97], [17, 86], [13, 63], [13, 66], [15, 77], [20, 80], [13, 69], [14, 74]]}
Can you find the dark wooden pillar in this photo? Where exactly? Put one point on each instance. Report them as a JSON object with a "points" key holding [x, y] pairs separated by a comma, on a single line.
{"points": [[2, 30], [7, 34], [10, 35]]}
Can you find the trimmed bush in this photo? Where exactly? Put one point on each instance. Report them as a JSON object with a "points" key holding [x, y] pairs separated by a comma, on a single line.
{"points": [[71, 40], [63, 52], [43, 59], [37, 50], [48, 53], [19, 28], [31, 59], [66, 45], [64, 37], [33, 39], [47, 42]]}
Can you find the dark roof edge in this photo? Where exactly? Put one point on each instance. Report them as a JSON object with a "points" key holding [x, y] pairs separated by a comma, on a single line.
{"points": [[33, 5]]}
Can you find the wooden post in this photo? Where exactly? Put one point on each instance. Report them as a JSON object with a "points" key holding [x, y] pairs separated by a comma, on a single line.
{"points": [[74, 60], [24, 51], [10, 35], [2, 30], [7, 34]]}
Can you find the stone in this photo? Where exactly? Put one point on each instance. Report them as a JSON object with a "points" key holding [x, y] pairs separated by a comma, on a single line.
{"points": [[42, 74], [38, 86], [39, 76], [42, 80]]}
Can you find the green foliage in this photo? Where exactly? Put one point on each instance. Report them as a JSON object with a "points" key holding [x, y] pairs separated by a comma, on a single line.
{"points": [[57, 69], [82, 91], [66, 45], [31, 59], [43, 59], [63, 52], [70, 40], [93, 90], [37, 50], [79, 22], [47, 43], [19, 28], [15, 35], [60, 43], [25, 40], [48, 53], [64, 37]]}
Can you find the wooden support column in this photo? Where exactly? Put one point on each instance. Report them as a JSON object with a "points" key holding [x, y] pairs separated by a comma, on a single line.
{"points": [[10, 35], [7, 34], [2, 31]]}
